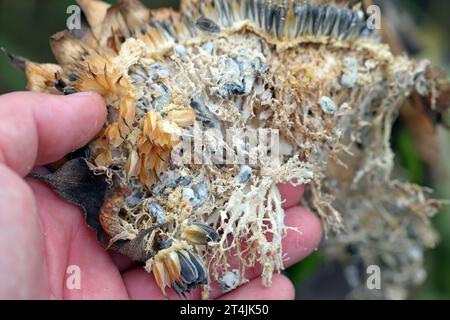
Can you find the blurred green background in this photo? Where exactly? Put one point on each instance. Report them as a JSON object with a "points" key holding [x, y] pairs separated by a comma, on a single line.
{"points": [[25, 26]]}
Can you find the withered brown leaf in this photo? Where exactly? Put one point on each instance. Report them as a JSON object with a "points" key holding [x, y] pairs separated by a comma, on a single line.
{"points": [[77, 184]]}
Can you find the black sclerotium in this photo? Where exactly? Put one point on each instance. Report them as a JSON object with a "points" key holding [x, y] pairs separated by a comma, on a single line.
{"points": [[207, 25], [69, 90]]}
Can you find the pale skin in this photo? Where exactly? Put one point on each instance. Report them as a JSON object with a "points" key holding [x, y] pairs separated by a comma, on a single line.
{"points": [[41, 235]]}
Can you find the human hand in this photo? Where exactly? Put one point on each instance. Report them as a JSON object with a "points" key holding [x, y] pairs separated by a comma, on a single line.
{"points": [[41, 235]]}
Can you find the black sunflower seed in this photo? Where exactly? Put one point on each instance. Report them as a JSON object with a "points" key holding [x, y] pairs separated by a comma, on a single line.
{"points": [[189, 272], [202, 277], [211, 233], [181, 289]]}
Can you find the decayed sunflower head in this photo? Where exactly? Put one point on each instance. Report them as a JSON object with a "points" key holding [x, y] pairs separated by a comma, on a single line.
{"points": [[184, 195]]}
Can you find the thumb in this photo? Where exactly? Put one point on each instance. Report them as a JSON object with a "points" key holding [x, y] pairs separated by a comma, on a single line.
{"points": [[37, 129]]}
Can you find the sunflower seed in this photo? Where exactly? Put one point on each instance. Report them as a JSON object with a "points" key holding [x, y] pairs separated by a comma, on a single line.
{"points": [[189, 272], [202, 276]]}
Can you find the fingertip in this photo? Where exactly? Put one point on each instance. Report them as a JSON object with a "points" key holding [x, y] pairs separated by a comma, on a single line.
{"points": [[290, 194], [91, 107], [306, 236], [88, 99], [281, 289], [285, 286], [142, 286], [21, 240], [67, 123]]}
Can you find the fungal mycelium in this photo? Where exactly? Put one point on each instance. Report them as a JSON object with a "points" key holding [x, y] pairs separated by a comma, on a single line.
{"points": [[312, 74]]}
